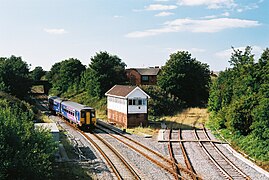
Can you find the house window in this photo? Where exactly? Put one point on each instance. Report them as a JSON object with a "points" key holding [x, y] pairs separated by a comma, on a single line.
{"points": [[145, 78]]}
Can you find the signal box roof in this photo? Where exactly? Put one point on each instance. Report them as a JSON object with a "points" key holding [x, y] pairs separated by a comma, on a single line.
{"points": [[122, 91]]}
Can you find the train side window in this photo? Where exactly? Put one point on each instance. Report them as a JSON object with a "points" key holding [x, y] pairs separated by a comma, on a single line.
{"points": [[82, 114], [93, 114]]}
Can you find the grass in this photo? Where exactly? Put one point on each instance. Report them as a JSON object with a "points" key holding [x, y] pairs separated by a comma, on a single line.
{"points": [[70, 171], [249, 146], [143, 130], [185, 119]]}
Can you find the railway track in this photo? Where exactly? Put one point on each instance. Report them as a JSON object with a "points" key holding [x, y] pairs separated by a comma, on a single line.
{"points": [[153, 156], [186, 158], [172, 151], [120, 167], [224, 165], [172, 154]]}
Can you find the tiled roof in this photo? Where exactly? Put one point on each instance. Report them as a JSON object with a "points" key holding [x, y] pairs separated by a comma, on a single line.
{"points": [[120, 90], [148, 71]]}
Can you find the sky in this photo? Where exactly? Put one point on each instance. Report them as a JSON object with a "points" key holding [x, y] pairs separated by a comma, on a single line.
{"points": [[142, 33]]}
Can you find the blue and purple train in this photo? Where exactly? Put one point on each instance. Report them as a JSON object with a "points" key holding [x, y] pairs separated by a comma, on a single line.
{"points": [[80, 115]]}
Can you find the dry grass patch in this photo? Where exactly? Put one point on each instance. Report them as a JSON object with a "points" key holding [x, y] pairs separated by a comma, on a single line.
{"points": [[187, 118], [142, 131]]}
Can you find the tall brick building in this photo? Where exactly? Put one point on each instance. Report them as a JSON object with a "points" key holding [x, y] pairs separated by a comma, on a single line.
{"points": [[127, 106]]}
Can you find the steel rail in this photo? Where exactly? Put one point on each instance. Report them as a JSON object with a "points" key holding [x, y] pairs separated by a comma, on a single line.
{"points": [[222, 170], [186, 158], [150, 150], [129, 167], [144, 154], [114, 169], [211, 158], [223, 156], [109, 161], [171, 153]]}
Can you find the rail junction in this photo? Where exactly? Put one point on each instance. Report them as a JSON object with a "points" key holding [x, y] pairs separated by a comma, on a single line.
{"points": [[177, 164]]}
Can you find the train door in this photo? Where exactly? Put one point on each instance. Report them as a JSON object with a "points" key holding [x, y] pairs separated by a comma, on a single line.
{"points": [[88, 118], [93, 118]]}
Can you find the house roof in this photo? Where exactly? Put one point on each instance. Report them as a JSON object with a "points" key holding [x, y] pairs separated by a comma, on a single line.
{"points": [[122, 91], [148, 71]]}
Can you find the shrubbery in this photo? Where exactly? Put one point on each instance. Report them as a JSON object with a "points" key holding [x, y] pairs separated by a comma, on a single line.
{"points": [[160, 103], [239, 102], [25, 153]]}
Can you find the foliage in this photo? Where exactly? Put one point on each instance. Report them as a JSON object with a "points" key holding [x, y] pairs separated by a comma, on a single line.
{"points": [[14, 76], [37, 73], [185, 78], [65, 74], [239, 101], [25, 153], [99, 104], [104, 72], [160, 103]]}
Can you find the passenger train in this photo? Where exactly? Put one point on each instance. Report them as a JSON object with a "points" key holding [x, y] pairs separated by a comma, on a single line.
{"points": [[82, 116]]}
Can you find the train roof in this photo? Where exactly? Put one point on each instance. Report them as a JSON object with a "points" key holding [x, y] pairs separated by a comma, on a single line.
{"points": [[56, 98], [75, 105]]}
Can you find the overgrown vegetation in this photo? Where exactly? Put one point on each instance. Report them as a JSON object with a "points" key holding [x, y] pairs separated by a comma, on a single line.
{"points": [[239, 103], [25, 153]]}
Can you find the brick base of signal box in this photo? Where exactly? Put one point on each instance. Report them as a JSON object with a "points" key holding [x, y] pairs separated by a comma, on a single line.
{"points": [[127, 121]]}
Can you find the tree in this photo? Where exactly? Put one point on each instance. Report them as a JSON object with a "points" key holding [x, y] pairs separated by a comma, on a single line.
{"points": [[14, 76], [25, 153], [65, 74], [103, 73], [160, 103], [186, 78], [37, 73]]}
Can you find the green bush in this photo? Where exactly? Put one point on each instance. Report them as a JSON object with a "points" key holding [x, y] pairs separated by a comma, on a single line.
{"points": [[25, 153], [239, 103]]}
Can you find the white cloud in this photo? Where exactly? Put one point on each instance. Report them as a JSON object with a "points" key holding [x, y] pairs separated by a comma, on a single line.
{"points": [[226, 54], [55, 31], [159, 7], [196, 26], [117, 16], [161, 0], [226, 14], [209, 17], [248, 7], [164, 14], [211, 4]]}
